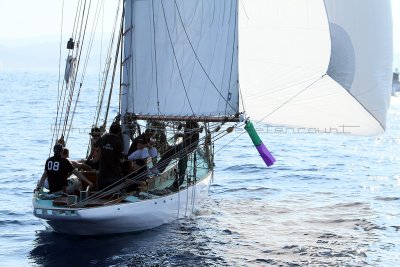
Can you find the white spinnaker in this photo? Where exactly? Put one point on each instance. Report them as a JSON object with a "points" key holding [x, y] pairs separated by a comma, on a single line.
{"points": [[285, 51], [362, 52], [183, 57]]}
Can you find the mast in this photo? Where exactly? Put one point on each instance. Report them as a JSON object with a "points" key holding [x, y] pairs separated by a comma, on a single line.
{"points": [[126, 68]]}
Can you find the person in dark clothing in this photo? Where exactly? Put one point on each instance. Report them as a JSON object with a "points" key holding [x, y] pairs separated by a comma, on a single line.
{"points": [[57, 169], [189, 143], [111, 153], [94, 163], [89, 164], [95, 134]]}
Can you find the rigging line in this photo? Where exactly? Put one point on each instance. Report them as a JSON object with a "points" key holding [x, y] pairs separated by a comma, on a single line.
{"points": [[59, 78], [283, 104], [63, 98], [72, 85], [91, 38], [58, 122], [114, 69], [101, 42], [106, 70], [293, 97], [244, 9], [120, 70], [64, 104], [103, 86], [68, 109], [288, 85], [198, 60], [155, 56], [176, 59], [233, 54], [121, 60], [129, 69], [77, 18], [229, 141], [89, 48], [80, 87], [241, 97], [81, 22], [120, 184]]}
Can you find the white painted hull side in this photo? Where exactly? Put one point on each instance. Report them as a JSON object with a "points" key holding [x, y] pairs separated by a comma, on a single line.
{"points": [[128, 217]]}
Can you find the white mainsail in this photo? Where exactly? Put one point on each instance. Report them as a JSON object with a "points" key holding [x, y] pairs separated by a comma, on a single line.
{"points": [[181, 58], [287, 47]]}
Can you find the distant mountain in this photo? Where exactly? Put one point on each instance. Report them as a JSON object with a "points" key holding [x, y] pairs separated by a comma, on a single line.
{"points": [[40, 57], [42, 54], [36, 54]]}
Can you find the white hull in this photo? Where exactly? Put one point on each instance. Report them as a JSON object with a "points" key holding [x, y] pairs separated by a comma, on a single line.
{"points": [[124, 217]]}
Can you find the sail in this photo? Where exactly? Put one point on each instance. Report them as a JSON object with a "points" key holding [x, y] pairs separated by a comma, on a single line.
{"points": [[180, 58], [322, 66]]}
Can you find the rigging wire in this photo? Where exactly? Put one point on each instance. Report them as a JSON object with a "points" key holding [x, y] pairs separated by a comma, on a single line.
{"points": [[85, 64], [127, 180], [76, 22], [293, 97], [59, 78], [106, 70], [241, 97], [114, 69], [155, 56], [79, 52], [101, 43], [176, 59], [89, 49], [197, 58], [232, 58], [276, 109]]}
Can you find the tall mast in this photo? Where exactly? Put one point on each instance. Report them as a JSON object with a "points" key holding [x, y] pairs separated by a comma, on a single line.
{"points": [[126, 67]]}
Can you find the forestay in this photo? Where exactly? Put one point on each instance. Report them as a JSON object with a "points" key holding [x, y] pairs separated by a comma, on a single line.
{"points": [[325, 68], [181, 58]]}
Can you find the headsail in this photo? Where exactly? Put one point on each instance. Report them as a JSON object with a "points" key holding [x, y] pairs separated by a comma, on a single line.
{"points": [[181, 58], [291, 74], [361, 57]]}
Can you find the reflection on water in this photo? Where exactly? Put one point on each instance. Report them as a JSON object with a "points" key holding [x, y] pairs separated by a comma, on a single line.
{"points": [[176, 244], [52, 249]]}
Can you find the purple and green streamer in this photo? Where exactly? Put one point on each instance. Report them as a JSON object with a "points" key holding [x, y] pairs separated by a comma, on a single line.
{"points": [[264, 152]]}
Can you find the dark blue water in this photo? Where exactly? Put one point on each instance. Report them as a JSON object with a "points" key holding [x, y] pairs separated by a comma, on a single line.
{"points": [[329, 200]]}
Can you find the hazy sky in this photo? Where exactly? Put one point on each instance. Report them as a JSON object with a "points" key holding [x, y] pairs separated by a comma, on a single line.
{"points": [[42, 18], [38, 18]]}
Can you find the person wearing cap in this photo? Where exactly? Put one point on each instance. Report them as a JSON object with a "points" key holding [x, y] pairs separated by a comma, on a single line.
{"points": [[111, 154], [95, 134], [57, 169]]}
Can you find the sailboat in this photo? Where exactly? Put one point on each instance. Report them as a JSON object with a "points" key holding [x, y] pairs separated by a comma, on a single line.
{"points": [[213, 66]]}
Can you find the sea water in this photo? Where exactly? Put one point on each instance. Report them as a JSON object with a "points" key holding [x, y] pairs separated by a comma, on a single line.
{"points": [[329, 200]]}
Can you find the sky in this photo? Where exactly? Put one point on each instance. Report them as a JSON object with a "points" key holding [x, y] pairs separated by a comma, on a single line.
{"points": [[41, 19], [38, 18]]}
